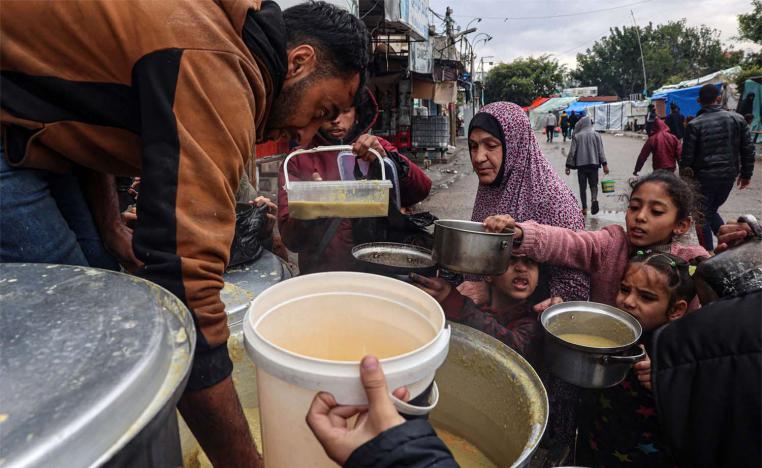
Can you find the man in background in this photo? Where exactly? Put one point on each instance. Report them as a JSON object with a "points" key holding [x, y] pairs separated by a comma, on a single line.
{"points": [[676, 121], [550, 126]]}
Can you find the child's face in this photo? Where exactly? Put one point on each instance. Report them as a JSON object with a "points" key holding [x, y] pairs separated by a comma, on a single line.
{"points": [[644, 294], [652, 216], [520, 280]]}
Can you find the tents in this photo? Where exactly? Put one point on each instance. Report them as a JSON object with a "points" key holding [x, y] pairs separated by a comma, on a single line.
{"points": [[618, 116], [751, 103], [722, 76], [685, 98], [551, 105], [535, 103], [580, 107]]}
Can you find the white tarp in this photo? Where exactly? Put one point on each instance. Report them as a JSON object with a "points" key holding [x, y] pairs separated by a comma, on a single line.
{"points": [[721, 76], [618, 116]]}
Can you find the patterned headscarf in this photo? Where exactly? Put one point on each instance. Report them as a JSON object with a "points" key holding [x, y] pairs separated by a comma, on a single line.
{"points": [[530, 189]]}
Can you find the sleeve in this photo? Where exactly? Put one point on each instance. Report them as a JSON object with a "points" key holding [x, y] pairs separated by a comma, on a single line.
{"points": [[689, 147], [415, 185], [413, 444], [679, 150], [581, 250], [644, 153], [569, 284], [571, 158], [601, 150], [463, 310], [747, 152], [197, 131]]}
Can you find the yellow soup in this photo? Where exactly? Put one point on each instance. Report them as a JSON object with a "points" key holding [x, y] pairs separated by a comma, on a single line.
{"points": [[337, 209], [592, 341]]}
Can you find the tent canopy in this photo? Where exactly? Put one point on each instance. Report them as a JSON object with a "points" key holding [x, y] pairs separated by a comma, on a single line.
{"points": [[580, 107], [752, 104], [551, 105], [686, 99], [538, 101]]}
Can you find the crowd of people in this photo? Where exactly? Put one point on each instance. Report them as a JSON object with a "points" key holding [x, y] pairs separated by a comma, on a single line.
{"points": [[182, 102]]}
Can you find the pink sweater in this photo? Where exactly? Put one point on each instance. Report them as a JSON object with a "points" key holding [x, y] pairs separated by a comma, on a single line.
{"points": [[603, 254]]}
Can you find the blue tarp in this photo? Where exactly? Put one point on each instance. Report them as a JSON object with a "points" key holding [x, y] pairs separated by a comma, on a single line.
{"points": [[579, 107], [685, 98]]}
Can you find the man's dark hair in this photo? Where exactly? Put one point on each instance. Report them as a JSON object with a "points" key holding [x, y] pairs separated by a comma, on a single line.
{"points": [[708, 94], [672, 106], [340, 39]]}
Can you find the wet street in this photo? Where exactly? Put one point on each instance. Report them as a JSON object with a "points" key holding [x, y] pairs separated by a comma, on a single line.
{"points": [[453, 193]]}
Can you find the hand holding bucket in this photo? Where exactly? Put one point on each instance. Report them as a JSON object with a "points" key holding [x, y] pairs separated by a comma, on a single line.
{"points": [[330, 421]]}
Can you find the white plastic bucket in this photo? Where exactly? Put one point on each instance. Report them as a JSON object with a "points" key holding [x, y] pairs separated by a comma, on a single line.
{"points": [[305, 310]]}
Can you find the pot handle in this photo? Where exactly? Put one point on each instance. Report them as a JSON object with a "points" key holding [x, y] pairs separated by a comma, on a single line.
{"points": [[320, 149], [413, 410], [610, 359]]}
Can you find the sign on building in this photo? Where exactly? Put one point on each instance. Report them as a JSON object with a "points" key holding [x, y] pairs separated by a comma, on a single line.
{"points": [[580, 92], [420, 57]]}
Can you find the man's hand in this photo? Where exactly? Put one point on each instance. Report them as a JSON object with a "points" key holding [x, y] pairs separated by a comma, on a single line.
{"points": [[606, 169], [437, 288], [635, 174], [118, 241], [643, 371], [330, 421], [364, 143], [477, 291], [568, 171], [499, 223], [742, 183], [687, 172], [540, 307], [272, 212], [731, 235]]}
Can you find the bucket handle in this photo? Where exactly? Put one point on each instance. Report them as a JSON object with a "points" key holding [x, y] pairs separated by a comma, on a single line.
{"points": [[321, 149], [413, 410]]}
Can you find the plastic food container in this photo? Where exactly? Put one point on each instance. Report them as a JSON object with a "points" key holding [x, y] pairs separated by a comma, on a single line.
{"points": [[337, 199], [607, 186]]}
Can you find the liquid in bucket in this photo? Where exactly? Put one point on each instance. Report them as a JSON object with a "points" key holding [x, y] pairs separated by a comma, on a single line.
{"points": [[331, 329]]}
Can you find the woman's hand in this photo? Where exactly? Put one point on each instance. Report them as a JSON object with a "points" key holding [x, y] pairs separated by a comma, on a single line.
{"points": [[499, 223], [362, 147], [643, 371], [330, 421], [477, 291], [272, 212], [540, 307], [437, 288]]}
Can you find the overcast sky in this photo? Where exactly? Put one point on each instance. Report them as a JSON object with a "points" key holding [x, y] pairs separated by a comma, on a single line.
{"points": [[565, 36]]}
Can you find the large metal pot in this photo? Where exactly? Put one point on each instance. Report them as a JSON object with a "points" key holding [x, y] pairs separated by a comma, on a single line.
{"points": [[93, 363], [466, 247], [587, 366], [490, 396]]}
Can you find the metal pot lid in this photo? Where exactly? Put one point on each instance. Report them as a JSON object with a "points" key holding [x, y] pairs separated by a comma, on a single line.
{"points": [[89, 357], [591, 318], [395, 255], [245, 282]]}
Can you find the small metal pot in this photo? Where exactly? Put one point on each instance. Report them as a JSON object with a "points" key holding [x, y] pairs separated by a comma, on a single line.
{"points": [[586, 366], [466, 247], [391, 258]]}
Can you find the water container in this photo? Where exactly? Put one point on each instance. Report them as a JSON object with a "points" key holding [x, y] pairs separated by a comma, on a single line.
{"points": [[299, 336], [337, 199], [607, 186]]}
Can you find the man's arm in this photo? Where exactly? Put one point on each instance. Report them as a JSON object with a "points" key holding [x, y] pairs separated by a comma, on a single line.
{"points": [[643, 156]]}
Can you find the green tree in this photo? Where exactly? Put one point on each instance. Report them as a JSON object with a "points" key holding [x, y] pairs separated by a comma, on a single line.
{"points": [[672, 50], [523, 80], [750, 29]]}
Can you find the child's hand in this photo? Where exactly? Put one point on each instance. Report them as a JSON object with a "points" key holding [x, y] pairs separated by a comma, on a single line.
{"points": [[540, 308], [477, 291], [643, 371], [499, 223], [437, 288]]}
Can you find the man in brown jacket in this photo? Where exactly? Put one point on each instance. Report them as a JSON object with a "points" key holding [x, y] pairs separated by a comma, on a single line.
{"points": [[177, 92]]}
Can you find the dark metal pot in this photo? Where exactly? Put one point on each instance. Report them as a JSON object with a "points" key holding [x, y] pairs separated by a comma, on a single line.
{"points": [[466, 247], [586, 366]]}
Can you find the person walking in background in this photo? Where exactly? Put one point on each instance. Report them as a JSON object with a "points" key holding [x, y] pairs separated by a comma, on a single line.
{"points": [[550, 126], [586, 155], [676, 121], [563, 122], [665, 147], [650, 118], [573, 119], [717, 151]]}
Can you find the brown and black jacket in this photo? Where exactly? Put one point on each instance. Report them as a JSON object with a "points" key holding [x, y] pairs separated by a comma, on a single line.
{"points": [[175, 91]]}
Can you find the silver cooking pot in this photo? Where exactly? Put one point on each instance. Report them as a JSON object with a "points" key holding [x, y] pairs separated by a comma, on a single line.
{"points": [[586, 366], [466, 247]]}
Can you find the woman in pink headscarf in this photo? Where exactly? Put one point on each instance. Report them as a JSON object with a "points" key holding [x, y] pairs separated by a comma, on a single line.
{"points": [[516, 179]]}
